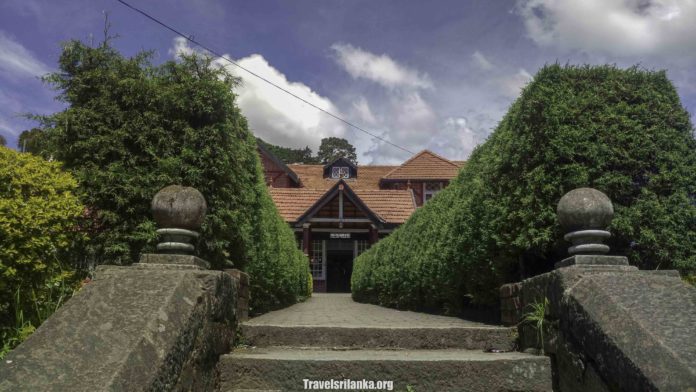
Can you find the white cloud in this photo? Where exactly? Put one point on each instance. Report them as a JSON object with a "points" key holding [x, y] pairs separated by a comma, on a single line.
{"points": [[511, 85], [274, 115], [617, 27], [181, 47], [480, 61], [361, 110], [456, 139], [412, 122], [381, 69], [402, 113], [17, 61], [407, 115]]}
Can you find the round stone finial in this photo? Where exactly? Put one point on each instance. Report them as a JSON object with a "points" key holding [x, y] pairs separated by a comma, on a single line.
{"points": [[584, 209], [584, 214], [178, 211], [179, 207]]}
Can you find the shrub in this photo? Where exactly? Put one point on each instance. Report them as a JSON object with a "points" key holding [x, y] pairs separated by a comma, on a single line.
{"points": [[623, 132], [39, 217], [132, 128]]}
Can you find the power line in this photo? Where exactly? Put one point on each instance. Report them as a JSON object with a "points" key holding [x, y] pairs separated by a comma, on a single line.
{"points": [[193, 41]]}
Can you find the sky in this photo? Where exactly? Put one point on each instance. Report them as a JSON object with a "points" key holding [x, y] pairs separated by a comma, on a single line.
{"points": [[436, 74]]}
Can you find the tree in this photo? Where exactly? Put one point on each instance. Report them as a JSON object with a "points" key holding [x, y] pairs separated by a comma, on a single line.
{"points": [[623, 132], [332, 148], [39, 233], [31, 141], [132, 128], [3, 141], [290, 155]]}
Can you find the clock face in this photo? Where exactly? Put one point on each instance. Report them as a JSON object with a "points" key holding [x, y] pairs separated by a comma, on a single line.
{"points": [[340, 172]]}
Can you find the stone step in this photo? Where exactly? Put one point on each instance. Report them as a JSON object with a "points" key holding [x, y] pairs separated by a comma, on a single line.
{"points": [[471, 338], [423, 370]]}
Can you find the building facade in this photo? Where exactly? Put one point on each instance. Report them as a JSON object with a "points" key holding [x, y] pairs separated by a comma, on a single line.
{"points": [[340, 209]]}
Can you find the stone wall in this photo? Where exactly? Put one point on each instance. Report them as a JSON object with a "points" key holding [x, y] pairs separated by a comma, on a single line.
{"points": [[148, 327], [242, 293], [615, 328]]}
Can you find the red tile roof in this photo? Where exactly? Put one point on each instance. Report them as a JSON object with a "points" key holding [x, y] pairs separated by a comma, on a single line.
{"points": [[392, 206], [312, 176], [425, 165], [293, 202]]}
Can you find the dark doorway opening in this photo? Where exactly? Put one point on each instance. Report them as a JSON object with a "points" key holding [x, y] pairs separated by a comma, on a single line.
{"points": [[339, 268]]}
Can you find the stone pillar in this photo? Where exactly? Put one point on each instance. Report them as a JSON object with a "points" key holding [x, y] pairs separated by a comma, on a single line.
{"points": [[306, 239], [179, 211], [606, 324], [584, 214]]}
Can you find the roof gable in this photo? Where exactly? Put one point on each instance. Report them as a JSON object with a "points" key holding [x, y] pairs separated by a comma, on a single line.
{"points": [[391, 206], [340, 186], [426, 165], [263, 150]]}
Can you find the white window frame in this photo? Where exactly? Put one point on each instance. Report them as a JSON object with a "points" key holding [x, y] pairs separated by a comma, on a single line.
{"points": [[340, 172], [431, 192], [360, 247], [322, 276]]}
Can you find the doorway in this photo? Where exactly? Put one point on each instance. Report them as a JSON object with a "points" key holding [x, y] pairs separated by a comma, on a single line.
{"points": [[339, 269]]}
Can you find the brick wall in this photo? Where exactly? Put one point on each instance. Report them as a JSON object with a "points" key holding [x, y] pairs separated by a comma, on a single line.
{"points": [[275, 175]]}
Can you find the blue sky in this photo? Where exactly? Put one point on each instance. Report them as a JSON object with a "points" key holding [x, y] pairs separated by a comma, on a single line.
{"points": [[423, 74]]}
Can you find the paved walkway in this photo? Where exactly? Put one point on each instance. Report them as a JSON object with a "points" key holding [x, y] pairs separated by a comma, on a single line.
{"points": [[339, 310]]}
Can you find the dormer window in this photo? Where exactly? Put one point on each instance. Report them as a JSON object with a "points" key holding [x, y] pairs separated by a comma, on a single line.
{"points": [[341, 169], [340, 172]]}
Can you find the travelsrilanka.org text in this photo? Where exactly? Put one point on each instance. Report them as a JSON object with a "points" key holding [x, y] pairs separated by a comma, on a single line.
{"points": [[348, 384]]}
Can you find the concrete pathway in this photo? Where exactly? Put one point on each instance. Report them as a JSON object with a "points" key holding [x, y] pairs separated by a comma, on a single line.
{"points": [[339, 310]]}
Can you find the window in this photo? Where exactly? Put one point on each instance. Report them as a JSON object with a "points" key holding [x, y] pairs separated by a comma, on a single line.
{"points": [[361, 246], [339, 172], [431, 189], [316, 262]]}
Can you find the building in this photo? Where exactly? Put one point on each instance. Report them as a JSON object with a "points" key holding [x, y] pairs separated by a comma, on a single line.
{"points": [[338, 210]]}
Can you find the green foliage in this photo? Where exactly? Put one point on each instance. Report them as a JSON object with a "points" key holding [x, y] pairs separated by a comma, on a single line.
{"points": [[291, 155], [280, 275], [690, 279], [132, 128], [31, 141], [39, 232], [536, 317], [623, 132], [332, 148]]}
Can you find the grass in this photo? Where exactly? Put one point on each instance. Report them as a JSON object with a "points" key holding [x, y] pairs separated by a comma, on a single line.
{"points": [[537, 318], [42, 305]]}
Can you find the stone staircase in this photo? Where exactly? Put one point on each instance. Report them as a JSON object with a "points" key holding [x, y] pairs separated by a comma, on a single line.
{"points": [[332, 338]]}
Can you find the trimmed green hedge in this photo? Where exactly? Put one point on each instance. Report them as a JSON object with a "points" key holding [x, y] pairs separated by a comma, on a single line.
{"points": [[279, 275], [623, 132], [132, 128]]}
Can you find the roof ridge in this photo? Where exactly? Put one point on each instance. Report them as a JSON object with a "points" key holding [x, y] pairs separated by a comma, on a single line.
{"points": [[441, 157], [422, 152]]}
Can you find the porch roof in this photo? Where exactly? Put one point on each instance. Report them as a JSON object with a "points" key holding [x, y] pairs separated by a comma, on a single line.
{"points": [[390, 206]]}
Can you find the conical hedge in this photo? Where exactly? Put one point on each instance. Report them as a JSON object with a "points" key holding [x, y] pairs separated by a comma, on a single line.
{"points": [[622, 131], [130, 128]]}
